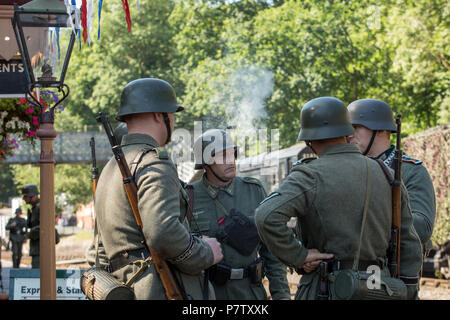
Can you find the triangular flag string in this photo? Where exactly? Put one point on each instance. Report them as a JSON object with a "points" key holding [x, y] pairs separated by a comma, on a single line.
{"points": [[90, 17], [127, 14], [84, 19], [99, 16]]}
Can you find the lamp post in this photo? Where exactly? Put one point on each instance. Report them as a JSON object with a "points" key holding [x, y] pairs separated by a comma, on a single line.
{"points": [[45, 69]]}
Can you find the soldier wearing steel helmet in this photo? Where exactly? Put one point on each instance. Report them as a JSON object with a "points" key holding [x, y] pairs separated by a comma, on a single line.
{"points": [[148, 107], [328, 195], [224, 207], [373, 121], [30, 196], [17, 230]]}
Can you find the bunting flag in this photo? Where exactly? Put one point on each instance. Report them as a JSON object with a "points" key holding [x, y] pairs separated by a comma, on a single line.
{"points": [[54, 45], [138, 5], [77, 22], [84, 19], [69, 12], [90, 17], [57, 42], [99, 15], [127, 13]]}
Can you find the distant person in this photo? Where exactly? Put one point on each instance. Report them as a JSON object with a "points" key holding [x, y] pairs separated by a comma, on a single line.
{"points": [[17, 234], [30, 196]]}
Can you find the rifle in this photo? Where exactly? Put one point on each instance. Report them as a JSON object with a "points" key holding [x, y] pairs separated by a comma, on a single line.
{"points": [[161, 266], [394, 246], [94, 165]]}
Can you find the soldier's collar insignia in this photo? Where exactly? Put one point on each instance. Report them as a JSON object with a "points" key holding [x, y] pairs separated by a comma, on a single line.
{"points": [[161, 153], [406, 158], [303, 161]]}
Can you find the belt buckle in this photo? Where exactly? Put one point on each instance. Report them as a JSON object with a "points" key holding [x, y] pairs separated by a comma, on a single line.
{"points": [[237, 274]]}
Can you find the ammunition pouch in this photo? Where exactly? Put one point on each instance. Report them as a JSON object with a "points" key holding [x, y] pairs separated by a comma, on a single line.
{"points": [[349, 284], [239, 232], [220, 273]]}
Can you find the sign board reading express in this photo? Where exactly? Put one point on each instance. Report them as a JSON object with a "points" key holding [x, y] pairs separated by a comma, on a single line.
{"points": [[24, 284]]}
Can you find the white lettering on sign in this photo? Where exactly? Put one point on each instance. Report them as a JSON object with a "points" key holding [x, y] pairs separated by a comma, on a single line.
{"points": [[11, 67]]}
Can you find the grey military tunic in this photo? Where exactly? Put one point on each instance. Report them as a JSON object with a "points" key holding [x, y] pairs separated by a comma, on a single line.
{"points": [[162, 205], [327, 195], [421, 194], [210, 205]]}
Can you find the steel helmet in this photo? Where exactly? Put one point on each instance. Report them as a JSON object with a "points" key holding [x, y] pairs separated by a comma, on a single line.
{"points": [[373, 114], [120, 131], [147, 95], [30, 190], [210, 142], [324, 118]]}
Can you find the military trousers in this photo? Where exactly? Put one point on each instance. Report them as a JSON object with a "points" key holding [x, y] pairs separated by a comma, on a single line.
{"points": [[16, 253], [35, 262]]}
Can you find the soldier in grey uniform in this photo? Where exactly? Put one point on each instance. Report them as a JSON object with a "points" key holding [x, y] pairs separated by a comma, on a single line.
{"points": [[373, 122], [30, 196], [148, 106], [17, 233], [329, 196], [221, 200]]}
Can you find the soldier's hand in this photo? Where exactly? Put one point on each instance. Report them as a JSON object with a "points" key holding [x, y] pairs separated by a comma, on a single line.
{"points": [[215, 247], [314, 258], [311, 266]]}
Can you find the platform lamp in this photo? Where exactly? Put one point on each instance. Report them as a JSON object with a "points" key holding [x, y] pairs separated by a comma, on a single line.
{"points": [[46, 69]]}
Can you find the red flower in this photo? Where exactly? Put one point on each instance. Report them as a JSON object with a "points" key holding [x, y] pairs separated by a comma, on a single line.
{"points": [[22, 100]]}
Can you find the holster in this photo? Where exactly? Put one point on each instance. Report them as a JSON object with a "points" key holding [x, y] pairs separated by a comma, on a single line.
{"points": [[256, 271]]}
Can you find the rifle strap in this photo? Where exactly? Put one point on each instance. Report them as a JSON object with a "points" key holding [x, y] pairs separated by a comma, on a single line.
{"points": [[364, 215], [386, 172]]}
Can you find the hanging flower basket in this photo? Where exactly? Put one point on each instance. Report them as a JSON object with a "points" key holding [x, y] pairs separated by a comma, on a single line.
{"points": [[19, 121]]}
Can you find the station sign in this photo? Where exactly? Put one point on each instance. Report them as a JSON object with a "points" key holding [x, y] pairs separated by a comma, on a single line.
{"points": [[24, 284]]}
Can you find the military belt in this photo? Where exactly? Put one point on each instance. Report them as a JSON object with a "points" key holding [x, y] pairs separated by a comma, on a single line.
{"points": [[235, 273], [362, 266], [128, 257]]}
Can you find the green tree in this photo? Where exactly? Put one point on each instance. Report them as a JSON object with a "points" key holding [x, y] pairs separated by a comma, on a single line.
{"points": [[417, 33], [9, 187]]}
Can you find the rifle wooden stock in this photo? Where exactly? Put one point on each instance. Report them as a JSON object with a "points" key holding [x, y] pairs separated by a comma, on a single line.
{"points": [[94, 166], [397, 203], [161, 266]]}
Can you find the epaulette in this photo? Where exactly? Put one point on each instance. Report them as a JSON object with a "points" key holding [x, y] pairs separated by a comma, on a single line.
{"points": [[303, 161], [252, 180], [405, 158], [161, 153]]}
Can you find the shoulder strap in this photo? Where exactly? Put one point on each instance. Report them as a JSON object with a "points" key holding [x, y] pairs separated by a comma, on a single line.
{"points": [[366, 206], [134, 164]]}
